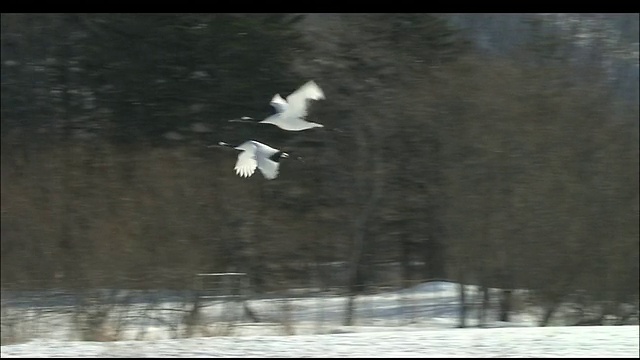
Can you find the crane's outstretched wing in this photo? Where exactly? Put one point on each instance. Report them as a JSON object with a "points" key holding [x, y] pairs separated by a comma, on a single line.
{"points": [[247, 163], [279, 103], [297, 100], [268, 167]]}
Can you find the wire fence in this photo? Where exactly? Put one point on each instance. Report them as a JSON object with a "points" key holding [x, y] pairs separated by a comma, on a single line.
{"points": [[224, 304]]}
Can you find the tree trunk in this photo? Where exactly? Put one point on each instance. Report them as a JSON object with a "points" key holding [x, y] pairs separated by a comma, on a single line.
{"points": [[433, 259], [355, 272], [360, 225], [405, 259], [505, 305], [484, 307], [463, 302], [548, 313]]}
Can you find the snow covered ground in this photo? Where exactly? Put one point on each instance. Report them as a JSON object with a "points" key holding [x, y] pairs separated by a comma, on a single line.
{"points": [[592, 341], [415, 322]]}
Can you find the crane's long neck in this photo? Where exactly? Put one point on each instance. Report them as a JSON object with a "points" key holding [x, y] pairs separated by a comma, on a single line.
{"points": [[244, 119], [221, 144]]}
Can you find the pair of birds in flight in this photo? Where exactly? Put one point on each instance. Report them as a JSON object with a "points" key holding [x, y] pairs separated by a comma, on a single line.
{"points": [[290, 116]]}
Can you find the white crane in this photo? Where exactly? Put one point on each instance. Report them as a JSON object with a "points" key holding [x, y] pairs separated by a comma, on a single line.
{"points": [[256, 155], [291, 113]]}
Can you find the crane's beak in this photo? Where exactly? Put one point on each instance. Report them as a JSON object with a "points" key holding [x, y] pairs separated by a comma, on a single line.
{"points": [[219, 144]]}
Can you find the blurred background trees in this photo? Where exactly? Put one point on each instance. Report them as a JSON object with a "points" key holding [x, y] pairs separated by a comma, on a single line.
{"points": [[499, 150]]}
